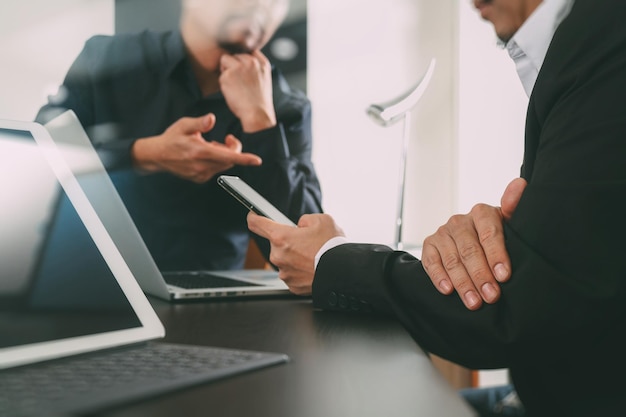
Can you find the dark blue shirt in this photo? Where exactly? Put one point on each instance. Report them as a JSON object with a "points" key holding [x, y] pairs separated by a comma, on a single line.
{"points": [[131, 86]]}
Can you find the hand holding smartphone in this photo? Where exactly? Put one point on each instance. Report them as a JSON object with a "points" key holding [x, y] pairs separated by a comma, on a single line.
{"points": [[252, 200]]}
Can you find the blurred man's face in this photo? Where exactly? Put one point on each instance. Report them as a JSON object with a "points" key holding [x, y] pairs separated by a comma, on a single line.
{"points": [[507, 16], [238, 26]]}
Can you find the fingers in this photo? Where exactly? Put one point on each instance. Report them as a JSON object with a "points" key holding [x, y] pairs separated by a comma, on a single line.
{"points": [[233, 143], [267, 228], [227, 61], [246, 83], [433, 263], [307, 220], [261, 57], [511, 197], [261, 225], [292, 251], [454, 259], [469, 254], [182, 151], [229, 153], [201, 124]]}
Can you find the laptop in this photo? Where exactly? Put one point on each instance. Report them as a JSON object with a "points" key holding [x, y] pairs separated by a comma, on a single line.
{"points": [[77, 333], [67, 130]]}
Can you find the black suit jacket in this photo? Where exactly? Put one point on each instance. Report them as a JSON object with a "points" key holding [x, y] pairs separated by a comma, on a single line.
{"points": [[559, 324]]}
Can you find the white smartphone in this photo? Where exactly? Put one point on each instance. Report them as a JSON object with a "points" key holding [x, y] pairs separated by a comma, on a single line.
{"points": [[254, 201]]}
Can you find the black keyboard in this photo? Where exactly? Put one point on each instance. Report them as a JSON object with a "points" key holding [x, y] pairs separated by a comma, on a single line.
{"points": [[90, 383], [202, 279]]}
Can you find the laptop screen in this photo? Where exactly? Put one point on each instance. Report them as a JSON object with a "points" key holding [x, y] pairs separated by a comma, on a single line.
{"points": [[63, 287]]}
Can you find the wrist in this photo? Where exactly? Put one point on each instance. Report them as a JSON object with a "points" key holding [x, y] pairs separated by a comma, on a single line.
{"points": [[330, 243], [141, 155], [258, 121]]}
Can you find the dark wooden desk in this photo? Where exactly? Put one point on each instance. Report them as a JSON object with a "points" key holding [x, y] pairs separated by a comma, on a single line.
{"points": [[341, 365]]}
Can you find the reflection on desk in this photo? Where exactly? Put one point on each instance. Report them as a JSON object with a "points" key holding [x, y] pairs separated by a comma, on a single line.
{"points": [[341, 364]]}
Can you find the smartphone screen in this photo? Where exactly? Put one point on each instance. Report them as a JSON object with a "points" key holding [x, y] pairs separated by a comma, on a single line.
{"points": [[254, 201]]}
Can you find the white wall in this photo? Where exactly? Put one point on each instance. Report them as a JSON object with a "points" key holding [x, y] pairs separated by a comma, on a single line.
{"points": [[492, 112], [369, 52], [39, 39]]}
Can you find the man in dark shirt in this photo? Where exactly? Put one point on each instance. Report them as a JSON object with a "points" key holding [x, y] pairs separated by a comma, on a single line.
{"points": [[170, 111]]}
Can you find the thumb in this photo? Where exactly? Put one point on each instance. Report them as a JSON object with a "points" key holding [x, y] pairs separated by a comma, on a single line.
{"points": [[226, 61], [306, 220], [512, 195], [233, 143], [260, 225], [198, 124]]}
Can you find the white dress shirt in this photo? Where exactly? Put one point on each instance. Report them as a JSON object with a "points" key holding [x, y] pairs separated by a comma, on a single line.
{"points": [[529, 45], [527, 48]]}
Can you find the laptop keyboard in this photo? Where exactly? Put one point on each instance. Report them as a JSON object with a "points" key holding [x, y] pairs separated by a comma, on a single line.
{"points": [[92, 382], [202, 279]]}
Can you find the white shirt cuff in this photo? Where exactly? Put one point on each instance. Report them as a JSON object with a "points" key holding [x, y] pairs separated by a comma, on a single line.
{"points": [[331, 243]]}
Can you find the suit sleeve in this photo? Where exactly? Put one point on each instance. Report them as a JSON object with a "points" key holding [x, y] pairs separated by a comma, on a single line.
{"points": [[563, 284]]}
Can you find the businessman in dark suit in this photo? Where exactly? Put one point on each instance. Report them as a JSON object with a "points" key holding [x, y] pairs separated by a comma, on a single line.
{"points": [[558, 322]]}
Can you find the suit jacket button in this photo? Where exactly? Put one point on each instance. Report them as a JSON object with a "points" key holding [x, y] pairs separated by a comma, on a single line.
{"points": [[332, 299], [343, 301], [354, 304]]}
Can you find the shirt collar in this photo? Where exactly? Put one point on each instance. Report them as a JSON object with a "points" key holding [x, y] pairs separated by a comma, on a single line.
{"points": [[533, 38], [176, 64]]}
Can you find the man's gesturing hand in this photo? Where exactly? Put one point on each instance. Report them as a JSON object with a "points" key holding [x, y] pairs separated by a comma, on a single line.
{"points": [[182, 151]]}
